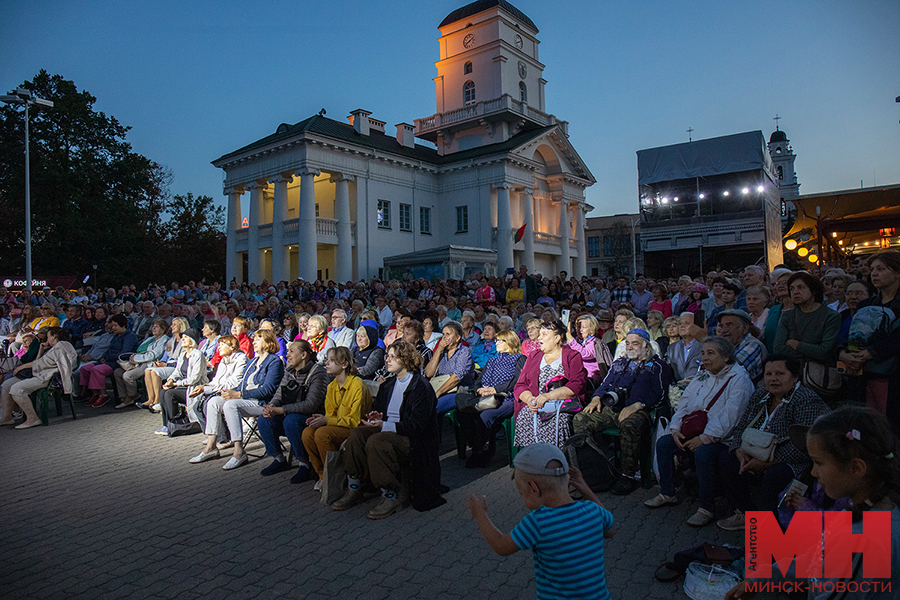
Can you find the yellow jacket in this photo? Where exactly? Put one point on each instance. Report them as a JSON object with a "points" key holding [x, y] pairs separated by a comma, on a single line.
{"points": [[44, 322], [345, 405]]}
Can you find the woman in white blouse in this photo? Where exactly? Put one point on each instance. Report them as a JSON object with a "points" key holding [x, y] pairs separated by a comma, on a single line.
{"points": [[722, 390], [228, 377]]}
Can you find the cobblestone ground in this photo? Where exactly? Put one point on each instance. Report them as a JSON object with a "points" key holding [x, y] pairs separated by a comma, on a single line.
{"points": [[100, 507]]}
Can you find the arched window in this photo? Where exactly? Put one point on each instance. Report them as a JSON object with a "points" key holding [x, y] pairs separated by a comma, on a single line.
{"points": [[467, 68], [469, 93], [523, 92], [780, 170]]}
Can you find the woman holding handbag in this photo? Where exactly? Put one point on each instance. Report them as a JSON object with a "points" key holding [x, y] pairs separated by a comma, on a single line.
{"points": [[494, 399], [130, 371], [707, 412], [760, 459]]}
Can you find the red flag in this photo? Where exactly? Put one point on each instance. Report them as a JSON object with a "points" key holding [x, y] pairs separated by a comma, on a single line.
{"points": [[520, 233]]}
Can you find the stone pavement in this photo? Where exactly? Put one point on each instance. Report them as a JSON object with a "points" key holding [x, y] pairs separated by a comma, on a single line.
{"points": [[100, 507]]}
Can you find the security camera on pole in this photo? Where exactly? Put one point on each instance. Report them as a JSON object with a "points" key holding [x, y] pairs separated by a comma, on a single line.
{"points": [[24, 97]]}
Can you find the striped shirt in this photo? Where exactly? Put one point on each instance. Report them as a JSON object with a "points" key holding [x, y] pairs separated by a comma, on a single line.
{"points": [[567, 542]]}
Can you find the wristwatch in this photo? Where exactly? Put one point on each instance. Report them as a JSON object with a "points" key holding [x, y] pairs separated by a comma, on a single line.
{"points": [[642, 405]]}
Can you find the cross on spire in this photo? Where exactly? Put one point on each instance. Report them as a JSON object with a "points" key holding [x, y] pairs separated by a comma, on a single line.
{"points": [[776, 118], [690, 130]]}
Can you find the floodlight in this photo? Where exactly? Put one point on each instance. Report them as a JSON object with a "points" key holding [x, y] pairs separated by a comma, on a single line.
{"points": [[675, 199], [725, 193], [702, 196], [760, 189], [745, 191]]}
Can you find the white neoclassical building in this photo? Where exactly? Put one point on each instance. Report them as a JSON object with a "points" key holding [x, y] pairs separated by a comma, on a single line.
{"points": [[341, 201]]}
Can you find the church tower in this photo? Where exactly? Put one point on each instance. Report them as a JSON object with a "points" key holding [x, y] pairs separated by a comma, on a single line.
{"points": [[490, 83], [783, 160]]}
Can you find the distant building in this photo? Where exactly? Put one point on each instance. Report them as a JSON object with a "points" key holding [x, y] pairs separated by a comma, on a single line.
{"points": [[334, 200], [713, 203], [611, 243]]}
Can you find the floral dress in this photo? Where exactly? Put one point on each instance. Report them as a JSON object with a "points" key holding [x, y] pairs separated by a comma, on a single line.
{"points": [[549, 424]]}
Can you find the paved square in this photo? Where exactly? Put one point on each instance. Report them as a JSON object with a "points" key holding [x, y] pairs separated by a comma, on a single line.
{"points": [[100, 507]]}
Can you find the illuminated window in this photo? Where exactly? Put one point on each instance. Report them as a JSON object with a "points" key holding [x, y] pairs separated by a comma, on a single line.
{"points": [[462, 219], [469, 93], [467, 68], [405, 217], [384, 214], [523, 92]]}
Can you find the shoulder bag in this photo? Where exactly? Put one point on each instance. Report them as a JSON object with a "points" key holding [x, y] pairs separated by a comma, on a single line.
{"points": [[694, 424], [757, 443]]}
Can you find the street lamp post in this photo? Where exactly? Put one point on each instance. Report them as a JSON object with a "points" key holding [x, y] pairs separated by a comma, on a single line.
{"points": [[24, 97], [634, 246]]}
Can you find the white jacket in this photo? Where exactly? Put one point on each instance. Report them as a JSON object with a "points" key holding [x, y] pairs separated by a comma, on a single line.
{"points": [[726, 412], [229, 374], [61, 359], [196, 369], [153, 352]]}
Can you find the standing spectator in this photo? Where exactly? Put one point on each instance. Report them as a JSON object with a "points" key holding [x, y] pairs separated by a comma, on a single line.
{"points": [[810, 330], [485, 296], [599, 295], [622, 293], [641, 298], [661, 301]]}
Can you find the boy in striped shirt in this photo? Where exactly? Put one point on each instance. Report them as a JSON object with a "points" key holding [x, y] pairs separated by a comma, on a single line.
{"points": [[565, 536]]}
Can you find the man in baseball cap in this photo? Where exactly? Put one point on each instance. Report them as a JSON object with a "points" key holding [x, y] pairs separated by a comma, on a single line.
{"points": [[736, 326]]}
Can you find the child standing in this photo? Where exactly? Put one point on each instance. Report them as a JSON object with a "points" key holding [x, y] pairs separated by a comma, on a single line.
{"points": [[565, 536], [853, 455]]}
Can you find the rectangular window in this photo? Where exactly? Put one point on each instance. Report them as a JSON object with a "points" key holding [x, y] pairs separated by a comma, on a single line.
{"points": [[462, 219], [384, 214], [405, 217], [593, 247], [609, 245], [424, 220], [624, 242], [317, 209]]}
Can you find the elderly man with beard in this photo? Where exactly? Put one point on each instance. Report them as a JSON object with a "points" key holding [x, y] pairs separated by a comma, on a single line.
{"points": [[640, 381]]}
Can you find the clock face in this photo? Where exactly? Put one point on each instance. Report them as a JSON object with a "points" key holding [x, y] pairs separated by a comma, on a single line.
{"points": [[469, 40], [519, 42], [523, 70]]}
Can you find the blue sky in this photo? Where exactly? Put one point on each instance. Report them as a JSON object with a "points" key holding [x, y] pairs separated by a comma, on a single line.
{"points": [[198, 79]]}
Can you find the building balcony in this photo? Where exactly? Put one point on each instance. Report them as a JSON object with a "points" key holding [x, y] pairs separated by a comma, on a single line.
{"points": [[326, 233], [429, 127]]}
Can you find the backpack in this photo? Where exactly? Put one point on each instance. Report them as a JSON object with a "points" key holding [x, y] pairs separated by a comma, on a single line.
{"points": [[596, 468]]}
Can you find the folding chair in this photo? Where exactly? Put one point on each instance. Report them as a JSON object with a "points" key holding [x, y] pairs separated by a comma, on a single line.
{"points": [[251, 431]]}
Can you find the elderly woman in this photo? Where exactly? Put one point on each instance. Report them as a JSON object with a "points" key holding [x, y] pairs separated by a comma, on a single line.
{"points": [[159, 371], [317, 336], [531, 343], [228, 377], [470, 332], [347, 399], [149, 351], [190, 372], [431, 329], [550, 379], [585, 343], [670, 332], [401, 429], [240, 329], [720, 394], [752, 483], [300, 395], [782, 303], [810, 330], [453, 364], [369, 357], [56, 355], [497, 381], [93, 376], [684, 355], [259, 383], [758, 299]]}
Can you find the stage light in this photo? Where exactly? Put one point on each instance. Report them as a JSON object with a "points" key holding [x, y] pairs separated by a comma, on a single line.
{"points": [[675, 199], [840, 242], [760, 189], [702, 196], [802, 252], [812, 258], [665, 200], [745, 191], [790, 244], [834, 234], [725, 193]]}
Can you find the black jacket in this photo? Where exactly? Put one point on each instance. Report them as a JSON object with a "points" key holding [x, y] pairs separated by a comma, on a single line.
{"points": [[419, 422], [293, 394]]}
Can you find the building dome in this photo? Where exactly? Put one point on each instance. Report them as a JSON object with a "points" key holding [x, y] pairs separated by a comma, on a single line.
{"points": [[482, 5], [778, 136]]}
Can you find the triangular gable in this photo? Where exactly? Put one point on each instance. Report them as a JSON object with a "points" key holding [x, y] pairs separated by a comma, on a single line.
{"points": [[569, 160]]}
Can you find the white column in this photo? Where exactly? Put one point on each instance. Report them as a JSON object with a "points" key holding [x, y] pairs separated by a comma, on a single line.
{"points": [[344, 251], [564, 232], [528, 217], [233, 266], [306, 244], [504, 230], [581, 260], [254, 252], [281, 258]]}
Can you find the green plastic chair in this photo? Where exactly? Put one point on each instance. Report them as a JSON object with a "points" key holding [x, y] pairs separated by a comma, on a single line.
{"points": [[648, 480], [41, 401], [508, 429]]}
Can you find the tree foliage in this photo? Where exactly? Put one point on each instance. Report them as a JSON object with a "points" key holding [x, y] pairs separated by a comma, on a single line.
{"points": [[94, 200]]}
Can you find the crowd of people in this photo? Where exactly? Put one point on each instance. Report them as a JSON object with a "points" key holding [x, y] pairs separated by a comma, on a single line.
{"points": [[738, 364]]}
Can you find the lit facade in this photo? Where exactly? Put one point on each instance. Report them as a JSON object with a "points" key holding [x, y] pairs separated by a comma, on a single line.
{"points": [[332, 200]]}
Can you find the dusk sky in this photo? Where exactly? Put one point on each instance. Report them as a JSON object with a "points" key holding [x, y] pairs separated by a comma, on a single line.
{"points": [[198, 79]]}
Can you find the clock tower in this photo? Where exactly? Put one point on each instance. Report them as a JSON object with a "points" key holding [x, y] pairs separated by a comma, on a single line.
{"points": [[490, 82]]}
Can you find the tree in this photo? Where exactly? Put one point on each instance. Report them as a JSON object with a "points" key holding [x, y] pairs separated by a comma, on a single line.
{"points": [[94, 200]]}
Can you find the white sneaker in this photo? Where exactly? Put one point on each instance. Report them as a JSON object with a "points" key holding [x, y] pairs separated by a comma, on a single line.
{"points": [[205, 456], [661, 500], [162, 431], [701, 518], [234, 463], [318, 486]]}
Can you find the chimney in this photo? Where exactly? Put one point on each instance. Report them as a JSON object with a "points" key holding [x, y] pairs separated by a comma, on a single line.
{"points": [[406, 135], [359, 118]]}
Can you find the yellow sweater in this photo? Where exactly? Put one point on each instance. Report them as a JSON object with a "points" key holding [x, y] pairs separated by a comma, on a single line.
{"points": [[345, 405]]}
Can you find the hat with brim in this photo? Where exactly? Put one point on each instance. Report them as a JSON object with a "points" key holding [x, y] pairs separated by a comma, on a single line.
{"points": [[536, 458], [735, 312]]}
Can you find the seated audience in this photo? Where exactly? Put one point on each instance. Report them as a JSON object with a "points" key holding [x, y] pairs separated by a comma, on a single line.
{"points": [[452, 364], [159, 371], [93, 376], [149, 351], [684, 355], [228, 376], [368, 356], [190, 372]]}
